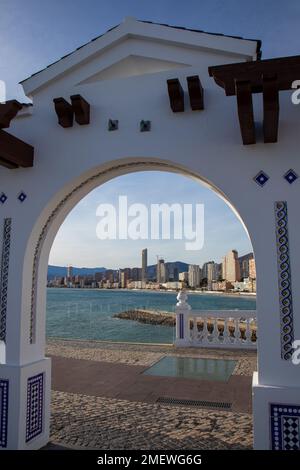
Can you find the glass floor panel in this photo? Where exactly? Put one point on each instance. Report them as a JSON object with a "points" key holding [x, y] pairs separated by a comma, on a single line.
{"points": [[191, 368]]}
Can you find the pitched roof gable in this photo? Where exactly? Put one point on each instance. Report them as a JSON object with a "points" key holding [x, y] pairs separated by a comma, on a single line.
{"points": [[247, 48]]}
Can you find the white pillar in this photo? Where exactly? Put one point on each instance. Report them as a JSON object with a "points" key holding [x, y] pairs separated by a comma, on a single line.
{"points": [[25, 405], [276, 385], [25, 373], [182, 311]]}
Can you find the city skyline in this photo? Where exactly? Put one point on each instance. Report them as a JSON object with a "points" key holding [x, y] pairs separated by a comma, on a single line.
{"points": [[233, 274], [166, 261], [144, 265]]}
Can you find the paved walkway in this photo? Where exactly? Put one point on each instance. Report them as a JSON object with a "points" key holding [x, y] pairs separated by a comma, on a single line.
{"points": [[106, 423], [127, 382], [109, 404]]}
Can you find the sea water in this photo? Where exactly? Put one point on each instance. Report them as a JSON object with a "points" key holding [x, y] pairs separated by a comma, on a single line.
{"points": [[89, 314]]}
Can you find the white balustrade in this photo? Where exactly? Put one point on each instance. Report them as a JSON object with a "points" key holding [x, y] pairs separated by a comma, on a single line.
{"points": [[214, 328]]}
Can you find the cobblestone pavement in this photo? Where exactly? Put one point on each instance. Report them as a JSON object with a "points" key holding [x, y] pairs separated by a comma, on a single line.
{"points": [[102, 423], [145, 354], [110, 423]]}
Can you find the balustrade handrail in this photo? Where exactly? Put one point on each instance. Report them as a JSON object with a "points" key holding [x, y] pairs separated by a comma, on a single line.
{"points": [[222, 313], [214, 328]]}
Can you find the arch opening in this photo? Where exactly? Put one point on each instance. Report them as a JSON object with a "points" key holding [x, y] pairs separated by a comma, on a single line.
{"points": [[54, 214], [210, 367], [45, 229]]}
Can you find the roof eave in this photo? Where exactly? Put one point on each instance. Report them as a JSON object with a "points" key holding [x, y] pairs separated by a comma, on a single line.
{"points": [[245, 48]]}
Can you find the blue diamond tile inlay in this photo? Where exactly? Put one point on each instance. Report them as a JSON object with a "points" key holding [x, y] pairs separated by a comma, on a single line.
{"points": [[22, 196], [261, 178], [285, 426], [3, 198], [290, 176]]}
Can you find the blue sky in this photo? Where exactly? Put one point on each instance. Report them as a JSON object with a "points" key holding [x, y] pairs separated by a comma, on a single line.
{"points": [[76, 242], [34, 33]]}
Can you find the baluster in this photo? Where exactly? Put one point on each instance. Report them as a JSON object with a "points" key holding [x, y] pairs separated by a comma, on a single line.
{"points": [[233, 337], [201, 332], [219, 332], [205, 330], [196, 332], [201, 329], [248, 332], [229, 326], [253, 331], [208, 327], [226, 331], [238, 335], [192, 329], [196, 329], [256, 332], [215, 330], [220, 335]]}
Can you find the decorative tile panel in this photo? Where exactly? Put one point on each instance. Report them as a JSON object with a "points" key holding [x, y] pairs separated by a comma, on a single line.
{"points": [[3, 198], [145, 126], [113, 125], [3, 412], [4, 276], [285, 427], [290, 176], [22, 197], [35, 406], [261, 178], [284, 280]]}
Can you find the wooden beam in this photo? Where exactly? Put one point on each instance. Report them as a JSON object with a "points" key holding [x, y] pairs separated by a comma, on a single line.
{"points": [[287, 69], [81, 109], [195, 93], [15, 152], [245, 111], [8, 111], [271, 108], [64, 112], [7, 164], [176, 95]]}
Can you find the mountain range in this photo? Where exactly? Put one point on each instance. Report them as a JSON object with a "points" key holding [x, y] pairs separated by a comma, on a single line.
{"points": [[61, 271]]}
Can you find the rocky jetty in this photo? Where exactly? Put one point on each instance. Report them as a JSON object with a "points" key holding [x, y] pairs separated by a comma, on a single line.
{"points": [[150, 317]]}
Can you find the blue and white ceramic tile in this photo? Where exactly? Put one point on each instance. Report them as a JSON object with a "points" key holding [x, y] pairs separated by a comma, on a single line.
{"points": [[285, 427], [35, 406]]}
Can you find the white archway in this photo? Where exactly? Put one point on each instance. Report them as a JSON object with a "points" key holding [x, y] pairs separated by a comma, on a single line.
{"points": [[51, 219]]}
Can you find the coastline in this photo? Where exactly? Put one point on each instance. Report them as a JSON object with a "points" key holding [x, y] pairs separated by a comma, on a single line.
{"points": [[89, 315], [233, 294], [164, 291]]}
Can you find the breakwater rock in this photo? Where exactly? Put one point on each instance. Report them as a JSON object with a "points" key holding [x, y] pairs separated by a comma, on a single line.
{"points": [[150, 317]]}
